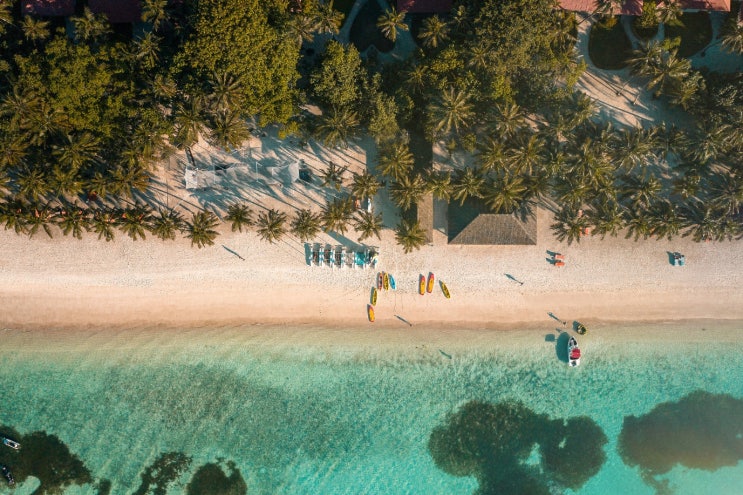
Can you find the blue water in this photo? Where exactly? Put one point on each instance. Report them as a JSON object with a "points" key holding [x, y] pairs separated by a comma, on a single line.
{"points": [[337, 420]]}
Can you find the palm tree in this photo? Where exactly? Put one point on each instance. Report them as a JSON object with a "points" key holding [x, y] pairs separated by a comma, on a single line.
{"points": [[228, 130], [126, 178], [508, 121], [35, 29], [337, 214], [77, 150], [407, 190], [13, 214], [103, 224], [395, 160], [21, 105], [479, 56], [636, 147], [201, 229], [6, 16], [227, 91], [333, 176], [711, 144], [166, 223], [134, 221], [409, 235], [189, 122], [32, 184], [569, 224], [147, 50], [39, 217], [468, 183], [669, 12], [732, 37], [505, 194], [90, 27], [727, 192], [65, 182], [646, 58], [607, 217], [526, 154], [433, 32], [240, 216], [438, 182], [451, 111], [73, 220], [327, 19], [163, 87], [155, 11], [305, 225], [364, 185], [301, 28], [665, 220], [638, 224], [337, 126], [271, 226], [368, 224], [492, 155], [390, 22], [415, 77], [641, 192], [688, 185]]}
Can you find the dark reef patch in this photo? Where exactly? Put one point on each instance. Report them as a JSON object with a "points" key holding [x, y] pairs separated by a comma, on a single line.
{"points": [[496, 442], [701, 431], [160, 474], [46, 458], [210, 479]]}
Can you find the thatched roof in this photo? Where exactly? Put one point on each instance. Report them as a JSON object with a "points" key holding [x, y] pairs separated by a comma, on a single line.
{"points": [[634, 7], [424, 6], [473, 224], [117, 11], [48, 7], [425, 216]]}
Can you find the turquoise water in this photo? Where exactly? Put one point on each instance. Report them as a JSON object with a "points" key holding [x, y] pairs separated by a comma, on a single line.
{"points": [[345, 420]]}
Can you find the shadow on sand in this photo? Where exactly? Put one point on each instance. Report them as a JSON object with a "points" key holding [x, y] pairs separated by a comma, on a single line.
{"points": [[561, 347]]}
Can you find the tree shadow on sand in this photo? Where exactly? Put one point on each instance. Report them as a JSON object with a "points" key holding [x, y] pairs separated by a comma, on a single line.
{"points": [[510, 449]]}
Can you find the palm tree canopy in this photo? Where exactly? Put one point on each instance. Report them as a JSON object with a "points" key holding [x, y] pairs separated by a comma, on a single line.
{"points": [[410, 235], [392, 21]]}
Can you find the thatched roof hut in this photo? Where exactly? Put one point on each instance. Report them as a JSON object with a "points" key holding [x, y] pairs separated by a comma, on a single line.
{"points": [[473, 224], [425, 216]]}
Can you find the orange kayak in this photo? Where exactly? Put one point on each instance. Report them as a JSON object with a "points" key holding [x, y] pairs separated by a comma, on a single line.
{"points": [[380, 280], [422, 285], [370, 312], [429, 288]]}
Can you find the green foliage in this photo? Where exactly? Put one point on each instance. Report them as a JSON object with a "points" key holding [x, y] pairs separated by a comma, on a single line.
{"points": [[336, 82]]}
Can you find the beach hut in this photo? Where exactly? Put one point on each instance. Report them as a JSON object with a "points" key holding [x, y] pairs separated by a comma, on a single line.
{"points": [[472, 224], [49, 8], [117, 11]]}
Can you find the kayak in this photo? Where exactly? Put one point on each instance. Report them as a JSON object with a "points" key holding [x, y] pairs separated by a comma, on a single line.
{"points": [[380, 280], [429, 288], [422, 285], [374, 296], [393, 285], [370, 312], [386, 281], [445, 290]]}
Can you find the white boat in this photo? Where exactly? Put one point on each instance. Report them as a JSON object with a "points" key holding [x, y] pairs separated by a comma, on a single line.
{"points": [[10, 443], [573, 352]]}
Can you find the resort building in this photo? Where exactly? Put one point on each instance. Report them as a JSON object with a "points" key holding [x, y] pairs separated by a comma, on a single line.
{"points": [[48, 8], [474, 224], [634, 7], [424, 6], [117, 11]]}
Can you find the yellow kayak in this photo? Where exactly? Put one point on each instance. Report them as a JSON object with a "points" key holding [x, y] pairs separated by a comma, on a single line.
{"points": [[422, 285], [430, 283], [374, 296], [370, 312], [386, 281], [445, 290]]}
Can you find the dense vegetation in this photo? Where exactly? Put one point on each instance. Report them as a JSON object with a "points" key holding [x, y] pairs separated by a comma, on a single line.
{"points": [[84, 118]]}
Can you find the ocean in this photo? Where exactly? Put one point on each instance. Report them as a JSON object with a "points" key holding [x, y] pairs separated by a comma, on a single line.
{"points": [[210, 411]]}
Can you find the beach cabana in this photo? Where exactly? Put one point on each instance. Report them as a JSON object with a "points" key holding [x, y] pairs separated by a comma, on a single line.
{"points": [[49, 8], [424, 6], [472, 224], [117, 11]]}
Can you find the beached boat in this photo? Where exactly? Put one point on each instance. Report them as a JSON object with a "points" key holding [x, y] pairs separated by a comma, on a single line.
{"points": [[422, 285], [386, 281], [370, 312], [10, 443], [573, 352], [429, 287], [374, 296], [580, 328], [8, 475], [445, 290], [393, 284]]}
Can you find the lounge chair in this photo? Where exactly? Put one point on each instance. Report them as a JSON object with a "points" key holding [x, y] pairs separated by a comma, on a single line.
{"points": [[341, 253], [332, 257]]}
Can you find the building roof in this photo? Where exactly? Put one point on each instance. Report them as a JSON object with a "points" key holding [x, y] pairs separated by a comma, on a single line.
{"points": [[424, 6], [634, 7], [117, 11], [48, 7], [471, 224]]}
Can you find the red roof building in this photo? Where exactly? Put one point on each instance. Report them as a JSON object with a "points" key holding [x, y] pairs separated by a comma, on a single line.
{"points": [[424, 6], [48, 7], [117, 11], [634, 7]]}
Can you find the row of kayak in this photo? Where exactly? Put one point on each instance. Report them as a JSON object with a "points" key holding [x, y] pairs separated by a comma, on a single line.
{"points": [[385, 281]]}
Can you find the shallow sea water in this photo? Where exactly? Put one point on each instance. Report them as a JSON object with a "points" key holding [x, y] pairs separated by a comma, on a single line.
{"points": [[318, 420]]}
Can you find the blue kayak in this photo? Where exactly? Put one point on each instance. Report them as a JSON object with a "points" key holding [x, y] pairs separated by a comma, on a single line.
{"points": [[393, 285]]}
